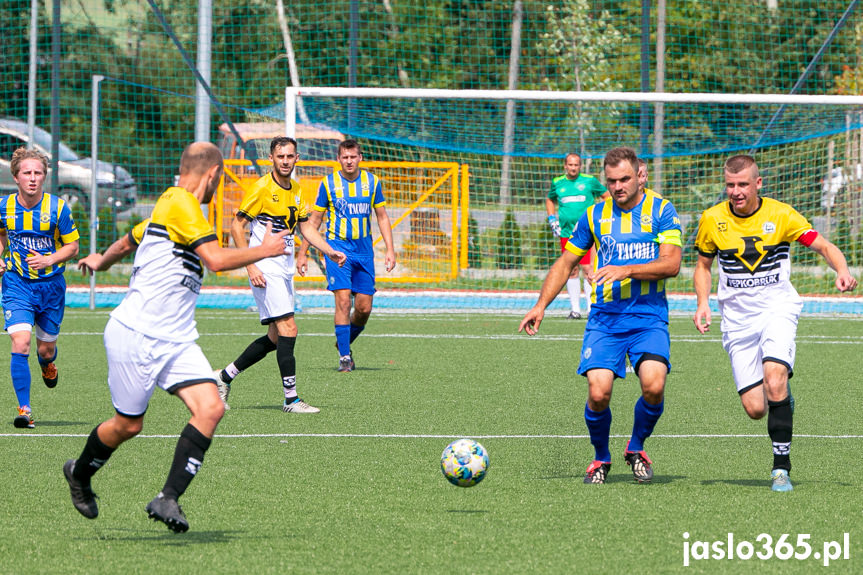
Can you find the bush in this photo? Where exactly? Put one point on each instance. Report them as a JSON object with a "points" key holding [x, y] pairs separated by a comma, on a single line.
{"points": [[510, 251]]}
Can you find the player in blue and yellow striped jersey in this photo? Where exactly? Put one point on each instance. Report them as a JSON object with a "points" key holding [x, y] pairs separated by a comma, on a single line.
{"points": [[38, 230], [348, 197], [751, 236], [637, 236]]}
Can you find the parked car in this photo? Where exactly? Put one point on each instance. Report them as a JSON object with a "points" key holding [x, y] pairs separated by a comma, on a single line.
{"points": [[116, 188], [314, 143]]}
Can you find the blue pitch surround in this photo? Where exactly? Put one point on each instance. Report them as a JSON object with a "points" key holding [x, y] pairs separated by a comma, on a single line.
{"points": [[436, 301]]}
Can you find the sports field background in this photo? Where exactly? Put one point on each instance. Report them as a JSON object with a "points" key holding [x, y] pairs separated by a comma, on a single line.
{"points": [[358, 489]]}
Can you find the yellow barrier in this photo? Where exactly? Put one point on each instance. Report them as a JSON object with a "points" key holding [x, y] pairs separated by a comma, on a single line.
{"points": [[426, 201]]}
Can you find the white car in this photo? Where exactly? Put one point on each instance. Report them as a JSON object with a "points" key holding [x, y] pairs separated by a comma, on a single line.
{"points": [[836, 182], [116, 188]]}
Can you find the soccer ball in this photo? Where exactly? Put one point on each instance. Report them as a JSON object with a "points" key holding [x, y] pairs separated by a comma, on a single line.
{"points": [[464, 462]]}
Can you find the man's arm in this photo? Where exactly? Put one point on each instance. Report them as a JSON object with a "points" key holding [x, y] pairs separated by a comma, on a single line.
{"points": [[218, 259], [387, 234], [554, 282], [64, 254], [314, 222], [836, 260], [667, 265], [703, 281], [96, 262], [4, 241], [312, 236], [238, 233]]}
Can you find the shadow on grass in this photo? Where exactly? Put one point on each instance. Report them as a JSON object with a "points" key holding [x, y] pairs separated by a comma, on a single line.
{"points": [[167, 537], [43, 423], [615, 479]]}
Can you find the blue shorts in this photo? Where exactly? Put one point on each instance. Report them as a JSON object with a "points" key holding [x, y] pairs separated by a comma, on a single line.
{"points": [[35, 302], [357, 275], [604, 350]]}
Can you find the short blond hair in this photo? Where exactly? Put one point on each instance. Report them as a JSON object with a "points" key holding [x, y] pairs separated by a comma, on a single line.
{"points": [[22, 154], [740, 162]]}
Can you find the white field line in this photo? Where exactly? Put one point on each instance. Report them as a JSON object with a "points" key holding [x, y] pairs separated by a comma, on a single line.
{"points": [[813, 339], [437, 436]]}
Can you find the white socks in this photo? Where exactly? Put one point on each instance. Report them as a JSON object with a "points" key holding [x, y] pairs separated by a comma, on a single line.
{"points": [[573, 288]]}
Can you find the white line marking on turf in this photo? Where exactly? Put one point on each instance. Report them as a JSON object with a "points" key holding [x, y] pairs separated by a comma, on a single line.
{"points": [[813, 339], [441, 436]]}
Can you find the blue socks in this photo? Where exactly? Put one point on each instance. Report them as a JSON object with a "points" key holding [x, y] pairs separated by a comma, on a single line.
{"points": [[343, 339], [20, 370], [356, 330], [599, 426], [646, 416]]}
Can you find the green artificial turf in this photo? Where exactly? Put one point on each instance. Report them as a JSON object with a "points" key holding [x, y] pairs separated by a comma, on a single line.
{"points": [[358, 488]]}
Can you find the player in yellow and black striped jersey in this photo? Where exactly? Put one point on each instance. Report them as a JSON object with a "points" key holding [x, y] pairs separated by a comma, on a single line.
{"points": [[274, 199], [751, 236], [150, 337]]}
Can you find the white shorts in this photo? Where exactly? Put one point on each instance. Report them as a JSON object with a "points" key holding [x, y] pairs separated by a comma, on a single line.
{"points": [[749, 348], [138, 363], [276, 301]]}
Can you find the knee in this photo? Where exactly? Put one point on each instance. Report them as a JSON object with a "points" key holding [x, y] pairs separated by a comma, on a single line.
{"points": [[653, 390], [598, 399], [129, 428], [653, 395], [213, 410], [755, 412]]}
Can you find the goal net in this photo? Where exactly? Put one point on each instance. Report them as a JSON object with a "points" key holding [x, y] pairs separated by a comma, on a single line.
{"points": [[512, 143]]}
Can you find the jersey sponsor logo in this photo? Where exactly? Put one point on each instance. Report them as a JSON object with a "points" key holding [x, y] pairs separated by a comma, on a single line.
{"points": [[753, 282], [606, 249], [570, 199], [34, 243], [636, 251], [752, 253], [606, 220], [193, 284], [346, 208]]}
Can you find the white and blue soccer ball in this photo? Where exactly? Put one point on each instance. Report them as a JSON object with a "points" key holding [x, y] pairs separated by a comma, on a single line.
{"points": [[464, 462]]}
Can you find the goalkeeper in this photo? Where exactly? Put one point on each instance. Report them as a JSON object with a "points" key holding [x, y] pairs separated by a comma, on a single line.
{"points": [[570, 196]]}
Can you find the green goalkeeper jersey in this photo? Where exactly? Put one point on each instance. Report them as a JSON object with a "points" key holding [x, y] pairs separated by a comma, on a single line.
{"points": [[573, 197]]}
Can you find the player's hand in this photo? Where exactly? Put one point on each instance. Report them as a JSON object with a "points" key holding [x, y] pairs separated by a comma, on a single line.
{"points": [[609, 274], [845, 282], [274, 244], [702, 319], [38, 261], [390, 260], [555, 226], [338, 257], [90, 264], [302, 263], [256, 278], [530, 323], [2, 266]]}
